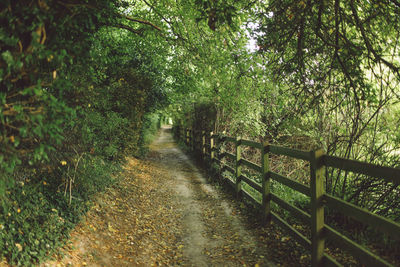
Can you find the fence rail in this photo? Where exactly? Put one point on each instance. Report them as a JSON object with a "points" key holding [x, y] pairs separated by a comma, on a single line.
{"points": [[318, 161]]}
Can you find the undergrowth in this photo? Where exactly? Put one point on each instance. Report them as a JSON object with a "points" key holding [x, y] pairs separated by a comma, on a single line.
{"points": [[37, 214]]}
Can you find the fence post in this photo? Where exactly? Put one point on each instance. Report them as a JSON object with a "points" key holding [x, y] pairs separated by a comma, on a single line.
{"points": [[212, 155], [266, 183], [238, 167], [317, 207]]}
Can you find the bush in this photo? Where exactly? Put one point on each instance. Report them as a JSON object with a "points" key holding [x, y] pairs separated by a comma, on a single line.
{"points": [[72, 94], [37, 215], [150, 126], [32, 225], [105, 134]]}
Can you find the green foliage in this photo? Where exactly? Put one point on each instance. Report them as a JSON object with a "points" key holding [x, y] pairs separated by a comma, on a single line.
{"points": [[322, 75], [292, 196], [219, 13], [36, 215], [76, 85], [31, 225], [105, 134], [45, 53], [32, 62], [151, 124]]}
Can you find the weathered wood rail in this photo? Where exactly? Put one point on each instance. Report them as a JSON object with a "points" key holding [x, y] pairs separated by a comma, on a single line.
{"points": [[205, 143]]}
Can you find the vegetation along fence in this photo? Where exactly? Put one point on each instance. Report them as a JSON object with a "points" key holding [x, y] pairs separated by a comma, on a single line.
{"points": [[206, 144]]}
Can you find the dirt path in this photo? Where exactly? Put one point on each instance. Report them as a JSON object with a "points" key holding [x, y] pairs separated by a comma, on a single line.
{"points": [[212, 235], [163, 212]]}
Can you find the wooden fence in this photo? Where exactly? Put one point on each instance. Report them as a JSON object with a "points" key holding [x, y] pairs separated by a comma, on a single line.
{"points": [[205, 143]]}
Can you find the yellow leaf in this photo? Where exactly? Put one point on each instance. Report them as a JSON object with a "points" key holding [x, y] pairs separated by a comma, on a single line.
{"points": [[19, 247]]}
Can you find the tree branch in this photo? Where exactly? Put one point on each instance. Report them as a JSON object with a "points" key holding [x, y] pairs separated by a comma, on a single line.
{"points": [[368, 44], [179, 36], [122, 26], [141, 21]]}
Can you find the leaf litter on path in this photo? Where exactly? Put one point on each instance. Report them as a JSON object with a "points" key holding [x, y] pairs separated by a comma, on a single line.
{"points": [[132, 223], [164, 213]]}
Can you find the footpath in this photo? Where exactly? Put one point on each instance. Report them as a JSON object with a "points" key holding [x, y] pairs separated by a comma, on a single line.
{"points": [[163, 212]]}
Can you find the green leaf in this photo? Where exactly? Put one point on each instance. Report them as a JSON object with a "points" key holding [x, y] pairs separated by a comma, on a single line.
{"points": [[8, 58]]}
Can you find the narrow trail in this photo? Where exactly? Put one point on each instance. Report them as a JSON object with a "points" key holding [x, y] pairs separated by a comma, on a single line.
{"points": [[164, 213], [212, 235]]}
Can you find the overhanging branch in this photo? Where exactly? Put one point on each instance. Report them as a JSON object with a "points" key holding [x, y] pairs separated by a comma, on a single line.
{"points": [[122, 26], [369, 46], [141, 21]]}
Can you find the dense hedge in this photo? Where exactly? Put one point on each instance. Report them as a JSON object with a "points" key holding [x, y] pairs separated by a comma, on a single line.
{"points": [[74, 100]]}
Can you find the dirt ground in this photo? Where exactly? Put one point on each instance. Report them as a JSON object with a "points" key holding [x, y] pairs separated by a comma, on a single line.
{"points": [[165, 213]]}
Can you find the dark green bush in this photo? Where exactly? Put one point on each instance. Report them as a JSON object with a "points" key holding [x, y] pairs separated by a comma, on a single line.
{"points": [[151, 124], [105, 134], [73, 98], [32, 225], [37, 216]]}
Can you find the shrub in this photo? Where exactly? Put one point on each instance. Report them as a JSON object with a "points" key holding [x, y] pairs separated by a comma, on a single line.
{"points": [[105, 134], [37, 215], [32, 225], [150, 126]]}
